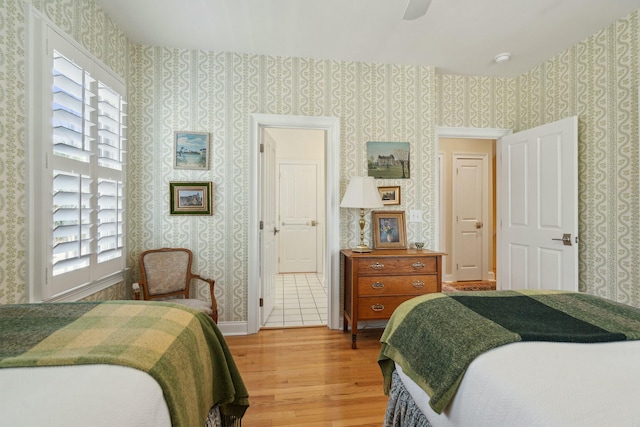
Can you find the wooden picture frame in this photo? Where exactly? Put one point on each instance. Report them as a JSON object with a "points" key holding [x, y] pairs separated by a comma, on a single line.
{"points": [[191, 150], [190, 198], [389, 230], [390, 195]]}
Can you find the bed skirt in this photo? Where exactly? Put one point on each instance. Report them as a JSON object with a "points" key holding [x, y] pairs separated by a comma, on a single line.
{"points": [[401, 409]]}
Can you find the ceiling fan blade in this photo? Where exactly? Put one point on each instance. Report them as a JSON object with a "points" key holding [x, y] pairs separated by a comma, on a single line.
{"points": [[415, 9]]}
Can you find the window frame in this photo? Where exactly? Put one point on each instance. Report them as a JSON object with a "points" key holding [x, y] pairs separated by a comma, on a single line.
{"points": [[42, 39]]}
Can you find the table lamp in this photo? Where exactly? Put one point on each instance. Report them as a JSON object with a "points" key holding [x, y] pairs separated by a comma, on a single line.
{"points": [[361, 193]]}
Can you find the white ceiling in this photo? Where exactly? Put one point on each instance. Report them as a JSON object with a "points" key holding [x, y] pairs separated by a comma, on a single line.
{"points": [[456, 36]]}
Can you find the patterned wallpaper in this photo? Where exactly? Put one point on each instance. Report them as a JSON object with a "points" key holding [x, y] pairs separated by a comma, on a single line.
{"points": [[597, 80], [12, 167], [479, 102], [173, 89], [216, 92], [96, 32]]}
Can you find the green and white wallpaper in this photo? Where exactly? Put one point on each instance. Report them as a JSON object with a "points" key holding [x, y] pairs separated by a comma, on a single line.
{"points": [[215, 92], [597, 80]]}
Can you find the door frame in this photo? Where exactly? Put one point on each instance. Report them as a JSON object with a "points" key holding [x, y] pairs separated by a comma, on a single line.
{"points": [[479, 134], [331, 126]]}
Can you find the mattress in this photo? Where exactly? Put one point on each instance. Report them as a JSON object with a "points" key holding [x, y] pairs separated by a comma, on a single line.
{"points": [[82, 395], [544, 384]]}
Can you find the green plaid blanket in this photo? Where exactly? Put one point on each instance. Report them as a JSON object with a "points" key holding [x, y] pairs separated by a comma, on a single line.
{"points": [[435, 337], [181, 348]]}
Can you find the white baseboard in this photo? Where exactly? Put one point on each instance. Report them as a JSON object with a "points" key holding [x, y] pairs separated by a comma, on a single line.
{"points": [[233, 328]]}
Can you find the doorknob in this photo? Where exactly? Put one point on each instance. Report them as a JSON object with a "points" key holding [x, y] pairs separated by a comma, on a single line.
{"points": [[275, 231], [566, 239], [313, 223], [478, 224]]}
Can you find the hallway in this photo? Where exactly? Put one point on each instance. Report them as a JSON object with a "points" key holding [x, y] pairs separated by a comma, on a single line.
{"points": [[301, 300]]}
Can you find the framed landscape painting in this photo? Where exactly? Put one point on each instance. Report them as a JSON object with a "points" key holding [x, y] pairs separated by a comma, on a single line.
{"points": [[191, 150], [190, 198], [388, 160]]}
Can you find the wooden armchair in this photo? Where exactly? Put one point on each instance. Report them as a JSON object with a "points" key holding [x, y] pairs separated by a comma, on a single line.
{"points": [[166, 275]]}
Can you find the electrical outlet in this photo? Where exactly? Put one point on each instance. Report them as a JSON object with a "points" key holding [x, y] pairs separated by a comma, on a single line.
{"points": [[415, 215]]}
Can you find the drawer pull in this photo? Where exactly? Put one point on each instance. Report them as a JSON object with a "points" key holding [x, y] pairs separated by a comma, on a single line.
{"points": [[377, 307], [377, 266], [417, 265], [418, 284], [377, 285]]}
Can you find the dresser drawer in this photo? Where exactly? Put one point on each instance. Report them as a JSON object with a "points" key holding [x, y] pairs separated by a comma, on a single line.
{"points": [[397, 265], [397, 285], [379, 307]]}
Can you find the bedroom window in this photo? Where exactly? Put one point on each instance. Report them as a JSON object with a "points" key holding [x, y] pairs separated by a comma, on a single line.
{"points": [[78, 112]]}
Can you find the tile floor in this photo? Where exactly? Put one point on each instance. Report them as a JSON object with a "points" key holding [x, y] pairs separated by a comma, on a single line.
{"points": [[301, 300]]}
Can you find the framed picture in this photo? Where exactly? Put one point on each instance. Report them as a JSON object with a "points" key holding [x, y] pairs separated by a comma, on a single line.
{"points": [[389, 230], [390, 195], [388, 160], [190, 198], [191, 150]]}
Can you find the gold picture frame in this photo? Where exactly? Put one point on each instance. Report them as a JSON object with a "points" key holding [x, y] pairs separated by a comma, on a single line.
{"points": [[389, 230], [390, 195], [190, 198]]}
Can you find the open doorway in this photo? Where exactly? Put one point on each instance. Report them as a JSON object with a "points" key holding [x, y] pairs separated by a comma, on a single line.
{"points": [[472, 140], [300, 297], [262, 229], [468, 208]]}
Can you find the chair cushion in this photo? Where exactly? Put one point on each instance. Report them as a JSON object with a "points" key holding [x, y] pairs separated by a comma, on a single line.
{"points": [[193, 303]]}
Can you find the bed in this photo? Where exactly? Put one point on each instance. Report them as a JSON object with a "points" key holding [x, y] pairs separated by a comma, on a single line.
{"points": [[512, 358], [124, 363]]}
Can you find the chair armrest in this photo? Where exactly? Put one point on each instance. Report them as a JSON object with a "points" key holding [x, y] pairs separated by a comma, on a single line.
{"points": [[136, 290], [214, 302]]}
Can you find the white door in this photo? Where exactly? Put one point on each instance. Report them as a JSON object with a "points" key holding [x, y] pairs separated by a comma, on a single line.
{"points": [[269, 229], [539, 208], [469, 187], [298, 217]]}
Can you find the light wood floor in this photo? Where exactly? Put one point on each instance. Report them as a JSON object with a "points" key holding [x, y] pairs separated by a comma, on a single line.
{"points": [[310, 377]]}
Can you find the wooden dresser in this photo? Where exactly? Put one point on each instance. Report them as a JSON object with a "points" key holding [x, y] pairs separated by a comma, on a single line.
{"points": [[376, 283]]}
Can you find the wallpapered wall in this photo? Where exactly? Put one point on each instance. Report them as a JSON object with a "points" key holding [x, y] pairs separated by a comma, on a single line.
{"points": [[597, 80], [216, 92], [96, 32], [173, 90]]}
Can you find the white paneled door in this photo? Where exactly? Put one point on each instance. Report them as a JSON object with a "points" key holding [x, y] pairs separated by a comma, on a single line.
{"points": [[269, 228], [298, 217], [470, 207], [539, 208]]}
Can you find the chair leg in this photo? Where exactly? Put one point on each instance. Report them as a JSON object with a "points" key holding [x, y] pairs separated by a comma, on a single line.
{"points": [[214, 307], [214, 316]]}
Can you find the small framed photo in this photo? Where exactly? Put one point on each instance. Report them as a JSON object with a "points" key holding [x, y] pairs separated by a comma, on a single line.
{"points": [[190, 198], [191, 150], [390, 195], [389, 230]]}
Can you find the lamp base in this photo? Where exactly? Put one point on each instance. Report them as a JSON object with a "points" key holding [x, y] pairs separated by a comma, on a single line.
{"points": [[361, 249]]}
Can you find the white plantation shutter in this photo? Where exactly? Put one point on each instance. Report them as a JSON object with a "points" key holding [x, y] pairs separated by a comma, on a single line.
{"points": [[79, 140]]}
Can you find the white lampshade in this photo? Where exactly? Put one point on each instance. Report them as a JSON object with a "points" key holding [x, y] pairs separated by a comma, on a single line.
{"points": [[361, 193]]}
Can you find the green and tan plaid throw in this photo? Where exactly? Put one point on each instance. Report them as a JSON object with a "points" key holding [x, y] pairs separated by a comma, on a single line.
{"points": [[181, 348], [435, 337]]}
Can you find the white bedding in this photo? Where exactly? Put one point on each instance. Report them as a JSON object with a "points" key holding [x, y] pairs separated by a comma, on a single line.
{"points": [[544, 384], [81, 395]]}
